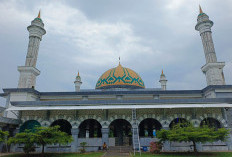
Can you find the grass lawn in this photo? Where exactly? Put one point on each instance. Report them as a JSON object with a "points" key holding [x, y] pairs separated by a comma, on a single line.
{"points": [[210, 154], [99, 154], [95, 154]]}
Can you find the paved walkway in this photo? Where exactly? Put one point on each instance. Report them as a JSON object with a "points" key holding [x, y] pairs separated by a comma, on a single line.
{"points": [[115, 154], [118, 151]]}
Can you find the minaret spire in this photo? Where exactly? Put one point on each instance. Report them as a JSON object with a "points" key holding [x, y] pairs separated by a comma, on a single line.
{"points": [[29, 72], [200, 9], [39, 14], [212, 69]]}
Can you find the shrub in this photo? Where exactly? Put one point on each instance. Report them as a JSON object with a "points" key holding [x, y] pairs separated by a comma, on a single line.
{"points": [[29, 147], [155, 147], [83, 144]]}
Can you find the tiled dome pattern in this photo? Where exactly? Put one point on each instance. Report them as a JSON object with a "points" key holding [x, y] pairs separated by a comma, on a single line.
{"points": [[120, 77]]}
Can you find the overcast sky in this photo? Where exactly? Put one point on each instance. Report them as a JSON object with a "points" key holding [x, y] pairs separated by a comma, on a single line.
{"points": [[89, 36]]}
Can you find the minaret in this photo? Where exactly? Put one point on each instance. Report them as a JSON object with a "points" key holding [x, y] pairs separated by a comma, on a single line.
{"points": [[163, 81], [29, 72], [212, 69], [78, 83]]}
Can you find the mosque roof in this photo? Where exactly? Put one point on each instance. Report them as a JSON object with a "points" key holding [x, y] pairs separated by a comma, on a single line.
{"points": [[120, 77], [131, 101], [152, 91]]}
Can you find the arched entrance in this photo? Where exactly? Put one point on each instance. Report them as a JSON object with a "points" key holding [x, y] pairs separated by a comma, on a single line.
{"points": [[147, 126], [121, 130], [90, 128], [65, 126], [211, 122], [29, 125], [178, 120]]}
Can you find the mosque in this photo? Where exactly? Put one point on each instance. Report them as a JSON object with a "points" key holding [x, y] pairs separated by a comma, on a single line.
{"points": [[120, 111]]}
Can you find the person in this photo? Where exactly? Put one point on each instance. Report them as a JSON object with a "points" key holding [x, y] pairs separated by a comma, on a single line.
{"points": [[104, 147]]}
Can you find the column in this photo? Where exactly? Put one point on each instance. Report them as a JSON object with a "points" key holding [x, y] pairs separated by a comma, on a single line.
{"points": [[229, 141], [226, 112], [105, 136], [74, 145], [166, 144], [14, 147]]}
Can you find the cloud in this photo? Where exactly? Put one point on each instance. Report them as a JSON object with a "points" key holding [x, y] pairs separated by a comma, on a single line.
{"points": [[99, 44]]}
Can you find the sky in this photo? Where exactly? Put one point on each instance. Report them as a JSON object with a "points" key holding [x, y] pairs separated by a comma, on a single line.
{"points": [[89, 36]]}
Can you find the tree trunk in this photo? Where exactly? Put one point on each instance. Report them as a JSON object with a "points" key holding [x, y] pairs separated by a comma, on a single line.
{"points": [[42, 150], [194, 147]]}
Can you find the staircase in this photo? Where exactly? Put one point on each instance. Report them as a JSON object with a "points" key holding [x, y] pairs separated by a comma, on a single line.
{"points": [[135, 129], [118, 151]]}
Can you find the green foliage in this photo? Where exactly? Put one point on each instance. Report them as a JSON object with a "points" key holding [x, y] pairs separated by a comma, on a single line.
{"points": [[189, 133], [42, 136], [83, 144], [3, 135], [95, 133], [111, 134], [29, 147], [25, 138], [50, 135]]}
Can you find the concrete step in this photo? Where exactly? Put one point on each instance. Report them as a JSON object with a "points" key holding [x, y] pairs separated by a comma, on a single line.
{"points": [[115, 154], [120, 149]]}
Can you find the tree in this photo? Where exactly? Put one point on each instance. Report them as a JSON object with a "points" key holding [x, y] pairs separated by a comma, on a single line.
{"points": [[50, 135], [4, 136], [26, 138], [189, 133], [41, 136]]}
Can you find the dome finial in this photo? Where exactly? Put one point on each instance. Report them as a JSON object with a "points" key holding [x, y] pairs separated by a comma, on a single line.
{"points": [[162, 71], [200, 9], [38, 14], [119, 59], [78, 74]]}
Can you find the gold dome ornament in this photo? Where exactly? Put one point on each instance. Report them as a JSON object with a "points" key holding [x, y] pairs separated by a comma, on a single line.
{"points": [[120, 77]]}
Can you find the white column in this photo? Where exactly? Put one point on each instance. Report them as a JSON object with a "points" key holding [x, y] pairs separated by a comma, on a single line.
{"points": [[166, 144], [74, 145], [105, 136]]}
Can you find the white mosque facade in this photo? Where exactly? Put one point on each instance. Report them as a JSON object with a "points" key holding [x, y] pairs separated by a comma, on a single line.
{"points": [[120, 110]]}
